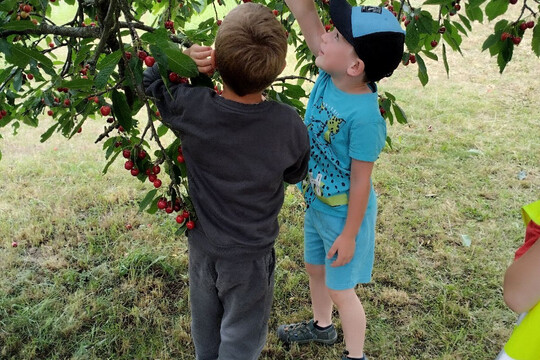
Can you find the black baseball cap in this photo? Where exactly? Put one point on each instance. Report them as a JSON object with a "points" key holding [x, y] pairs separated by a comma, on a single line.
{"points": [[375, 34]]}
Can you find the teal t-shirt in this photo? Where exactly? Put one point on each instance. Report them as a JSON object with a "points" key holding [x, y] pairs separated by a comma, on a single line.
{"points": [[341, 127]]}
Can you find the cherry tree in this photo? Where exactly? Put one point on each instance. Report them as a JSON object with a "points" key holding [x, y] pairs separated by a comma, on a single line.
{"points": [[92, 66]]}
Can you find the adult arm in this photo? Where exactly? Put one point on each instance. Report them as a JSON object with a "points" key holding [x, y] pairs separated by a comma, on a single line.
{"points": [[310, 24], [359, 191], [522, 281]]}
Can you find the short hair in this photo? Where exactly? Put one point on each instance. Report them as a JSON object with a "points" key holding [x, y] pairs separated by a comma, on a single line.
{"points": [[251, 47]]}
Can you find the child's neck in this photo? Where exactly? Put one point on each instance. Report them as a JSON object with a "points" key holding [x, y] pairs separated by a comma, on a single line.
{"points": [[246, 99], [351, 85]]}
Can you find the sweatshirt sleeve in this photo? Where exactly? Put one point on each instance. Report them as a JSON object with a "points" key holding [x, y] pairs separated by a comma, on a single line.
{"points": [[168, 99], [298, 171]]}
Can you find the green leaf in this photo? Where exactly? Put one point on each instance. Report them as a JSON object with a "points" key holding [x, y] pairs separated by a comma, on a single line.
{"points": [[505, 55], [422, 71], [401, 117], [490, 41], [496, 8], [431, 55], [474, 13], [47, 134], [181, 63], [162, 130], [437, 2], [536, 40], [465, 22], [147, 199], [121, 110], [412, 38], [7, 5], [26, 54], [445, 60], [106, 168], [18, 25], [106, 67], [77, 84]]}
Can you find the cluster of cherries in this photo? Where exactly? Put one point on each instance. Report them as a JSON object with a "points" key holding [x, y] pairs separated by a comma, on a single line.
{"points": [[517, 39]]}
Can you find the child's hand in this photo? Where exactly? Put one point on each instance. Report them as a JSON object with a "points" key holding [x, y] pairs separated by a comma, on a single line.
{"points": [[202, 57], [345, 247]]}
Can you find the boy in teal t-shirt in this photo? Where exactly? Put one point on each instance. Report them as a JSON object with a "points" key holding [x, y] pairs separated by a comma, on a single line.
{"points": [[347, 134]]}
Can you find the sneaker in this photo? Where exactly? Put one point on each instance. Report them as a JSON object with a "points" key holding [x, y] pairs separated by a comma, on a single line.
{"points": [[345, 353], [305, 332]]}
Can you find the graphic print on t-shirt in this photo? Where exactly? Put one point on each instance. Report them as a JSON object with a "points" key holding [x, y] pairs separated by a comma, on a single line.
{"points": [[326, 175]]}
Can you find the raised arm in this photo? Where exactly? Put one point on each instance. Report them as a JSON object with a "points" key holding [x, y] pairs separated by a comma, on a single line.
{"points": [[310, 24]]}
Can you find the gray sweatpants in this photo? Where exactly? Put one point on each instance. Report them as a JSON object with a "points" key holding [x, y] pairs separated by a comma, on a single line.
{"points": [[230, 305]]}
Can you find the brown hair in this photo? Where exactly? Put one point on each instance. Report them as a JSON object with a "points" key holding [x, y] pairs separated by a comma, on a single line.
{"points": [[250, 48]]}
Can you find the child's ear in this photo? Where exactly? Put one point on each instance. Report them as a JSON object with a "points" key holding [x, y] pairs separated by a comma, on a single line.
{"points": [[284, 66], [356, 68]]}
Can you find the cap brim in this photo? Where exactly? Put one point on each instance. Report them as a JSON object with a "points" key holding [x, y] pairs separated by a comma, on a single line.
{"points": [[341, 13]]}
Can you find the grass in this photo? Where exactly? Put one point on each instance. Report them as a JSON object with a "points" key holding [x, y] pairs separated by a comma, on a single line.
{"points": [[94, 279]]}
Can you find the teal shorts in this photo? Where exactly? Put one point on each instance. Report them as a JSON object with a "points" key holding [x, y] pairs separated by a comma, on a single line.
{"points": [[320, 231]]}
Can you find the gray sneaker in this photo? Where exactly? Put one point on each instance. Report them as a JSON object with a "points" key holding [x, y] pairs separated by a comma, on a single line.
{"points": [[345, 353], [305, 332]]}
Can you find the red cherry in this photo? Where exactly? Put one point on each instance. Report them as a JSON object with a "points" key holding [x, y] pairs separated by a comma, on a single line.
{"points": [[276, 12], [80, 130], [180, 159], [185, 214], [218, 22], [180, 219], [407, 22], [505, 36], [148, 172], [67, 102], [513, 2], [30, 77], [126, 153], [51, 44], [50, 113], [523, 26], [128, 165], [142, 54], [152, 178], [3, 112], [457, 7], [530, 24], [434, 43], [442, 30], [134, 171], [27, 8], [127, 54], [412, 58], [327, 27], [190, 225], [173, 77], [149, 61], [162, 203], [516, 40], [121, 128], [105, 110], [157, 183], [158, 114], [110, 120], [156, 169], [141, 154]]}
